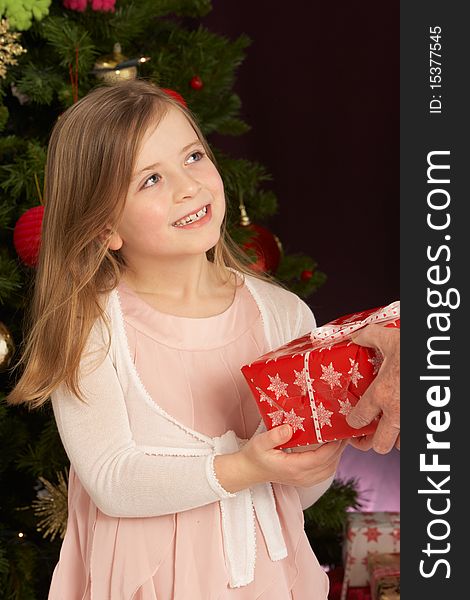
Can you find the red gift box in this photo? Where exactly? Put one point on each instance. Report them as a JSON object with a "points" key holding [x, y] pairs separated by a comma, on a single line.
{"points": [[313, 382], [384, 575], [367, 533], [354, 593]]}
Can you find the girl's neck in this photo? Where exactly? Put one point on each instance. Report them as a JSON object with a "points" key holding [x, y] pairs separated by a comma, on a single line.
{"points": [[188, 282]]}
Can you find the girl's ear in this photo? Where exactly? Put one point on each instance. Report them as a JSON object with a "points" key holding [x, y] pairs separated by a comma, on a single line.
{"points": [[115, 240]]}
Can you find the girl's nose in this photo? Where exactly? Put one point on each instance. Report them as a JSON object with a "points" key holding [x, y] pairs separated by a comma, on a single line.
{"points": [[186, 187]]}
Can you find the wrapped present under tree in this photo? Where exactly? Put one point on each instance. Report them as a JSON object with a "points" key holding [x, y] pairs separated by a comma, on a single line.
{"points": [[367, 533]]}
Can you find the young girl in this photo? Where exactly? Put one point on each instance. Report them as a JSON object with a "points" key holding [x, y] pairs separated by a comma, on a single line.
{"points": [[141, 318]]}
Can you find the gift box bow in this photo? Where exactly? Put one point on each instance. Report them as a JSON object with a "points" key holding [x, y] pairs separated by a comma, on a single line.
{"points": [[318, 377], [345, 326]]}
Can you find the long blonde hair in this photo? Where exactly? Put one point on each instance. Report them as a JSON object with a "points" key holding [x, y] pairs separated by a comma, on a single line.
{"points": [[90, 160]]}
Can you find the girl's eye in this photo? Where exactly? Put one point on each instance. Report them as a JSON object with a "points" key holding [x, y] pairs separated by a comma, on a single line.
{"points": [[155, 178], [150, 181], [199, 153]]}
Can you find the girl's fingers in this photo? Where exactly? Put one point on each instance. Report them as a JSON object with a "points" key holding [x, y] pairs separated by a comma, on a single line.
{"points": [[320, 456]]}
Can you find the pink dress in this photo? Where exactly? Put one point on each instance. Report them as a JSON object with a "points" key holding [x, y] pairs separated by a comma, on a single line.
{"points": [[198, 360]]}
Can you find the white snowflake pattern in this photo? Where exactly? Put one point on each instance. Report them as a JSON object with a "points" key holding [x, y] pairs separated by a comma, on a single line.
{"points": [[323, 415], [293, 419], [263, 397], [331, 376], [376, 361], [276, 417], [354, 372], [346, 407], [278, 386], [301, 380]]}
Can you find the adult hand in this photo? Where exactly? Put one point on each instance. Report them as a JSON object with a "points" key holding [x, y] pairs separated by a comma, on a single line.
{"points": [[383, 395]]}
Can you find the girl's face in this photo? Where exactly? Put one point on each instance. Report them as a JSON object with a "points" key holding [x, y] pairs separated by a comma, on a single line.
{"points": [[175, 203]]}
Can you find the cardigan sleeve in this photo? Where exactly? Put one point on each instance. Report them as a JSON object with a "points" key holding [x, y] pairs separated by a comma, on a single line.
{"points": [[121, 479], [305, 319]]}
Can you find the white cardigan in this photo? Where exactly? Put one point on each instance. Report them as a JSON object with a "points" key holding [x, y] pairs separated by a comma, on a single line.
{"points": [[124, 472]]}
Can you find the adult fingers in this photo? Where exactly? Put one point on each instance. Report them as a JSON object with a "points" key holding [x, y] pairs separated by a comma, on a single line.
{"points": [[385, 436], [365, 410], [363, 443]]}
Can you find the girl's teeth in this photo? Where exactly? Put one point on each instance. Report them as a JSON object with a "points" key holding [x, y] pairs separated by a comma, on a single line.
{"points": [[191, 218]]}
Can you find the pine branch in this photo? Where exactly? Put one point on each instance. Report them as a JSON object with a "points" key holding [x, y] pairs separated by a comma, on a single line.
{"points": [[47, 456], [326, 519], [219, 116], [214, 58], [232, 126], [3, 117], [241, 177], [18, 177], [186, 8], [11, 145], [39, 84], [14, 434], [18, 583], [133, 20], [10, 277], [290, 272], [66, 37], [6, 209], [330, 511]]}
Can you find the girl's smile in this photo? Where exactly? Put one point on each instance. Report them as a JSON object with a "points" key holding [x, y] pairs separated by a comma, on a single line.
{"points": [[195, 219]]}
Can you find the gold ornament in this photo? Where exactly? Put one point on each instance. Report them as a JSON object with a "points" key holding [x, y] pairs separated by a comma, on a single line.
{"points": [[7, 347], [52, 507], [105, 67], [245, 222], [9, 47]]}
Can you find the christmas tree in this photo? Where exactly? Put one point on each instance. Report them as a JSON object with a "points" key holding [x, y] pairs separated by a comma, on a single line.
{"points": [[52, 54]]}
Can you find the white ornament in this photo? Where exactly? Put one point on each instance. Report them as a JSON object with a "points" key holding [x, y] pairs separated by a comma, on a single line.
{"points": [[354, 372], [278, 386], [331, 376]]}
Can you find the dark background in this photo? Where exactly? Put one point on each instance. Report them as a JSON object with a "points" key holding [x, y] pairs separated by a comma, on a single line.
{"points": [[320, 89]]}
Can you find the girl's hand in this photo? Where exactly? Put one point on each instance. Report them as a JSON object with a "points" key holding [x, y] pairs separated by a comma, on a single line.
{"points": [[260, 461]]}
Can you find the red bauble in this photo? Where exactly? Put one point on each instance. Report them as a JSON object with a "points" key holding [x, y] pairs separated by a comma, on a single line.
{"points": [[27, 235], [306, 275], [267, 247], [178, 97], [196, 83]]}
